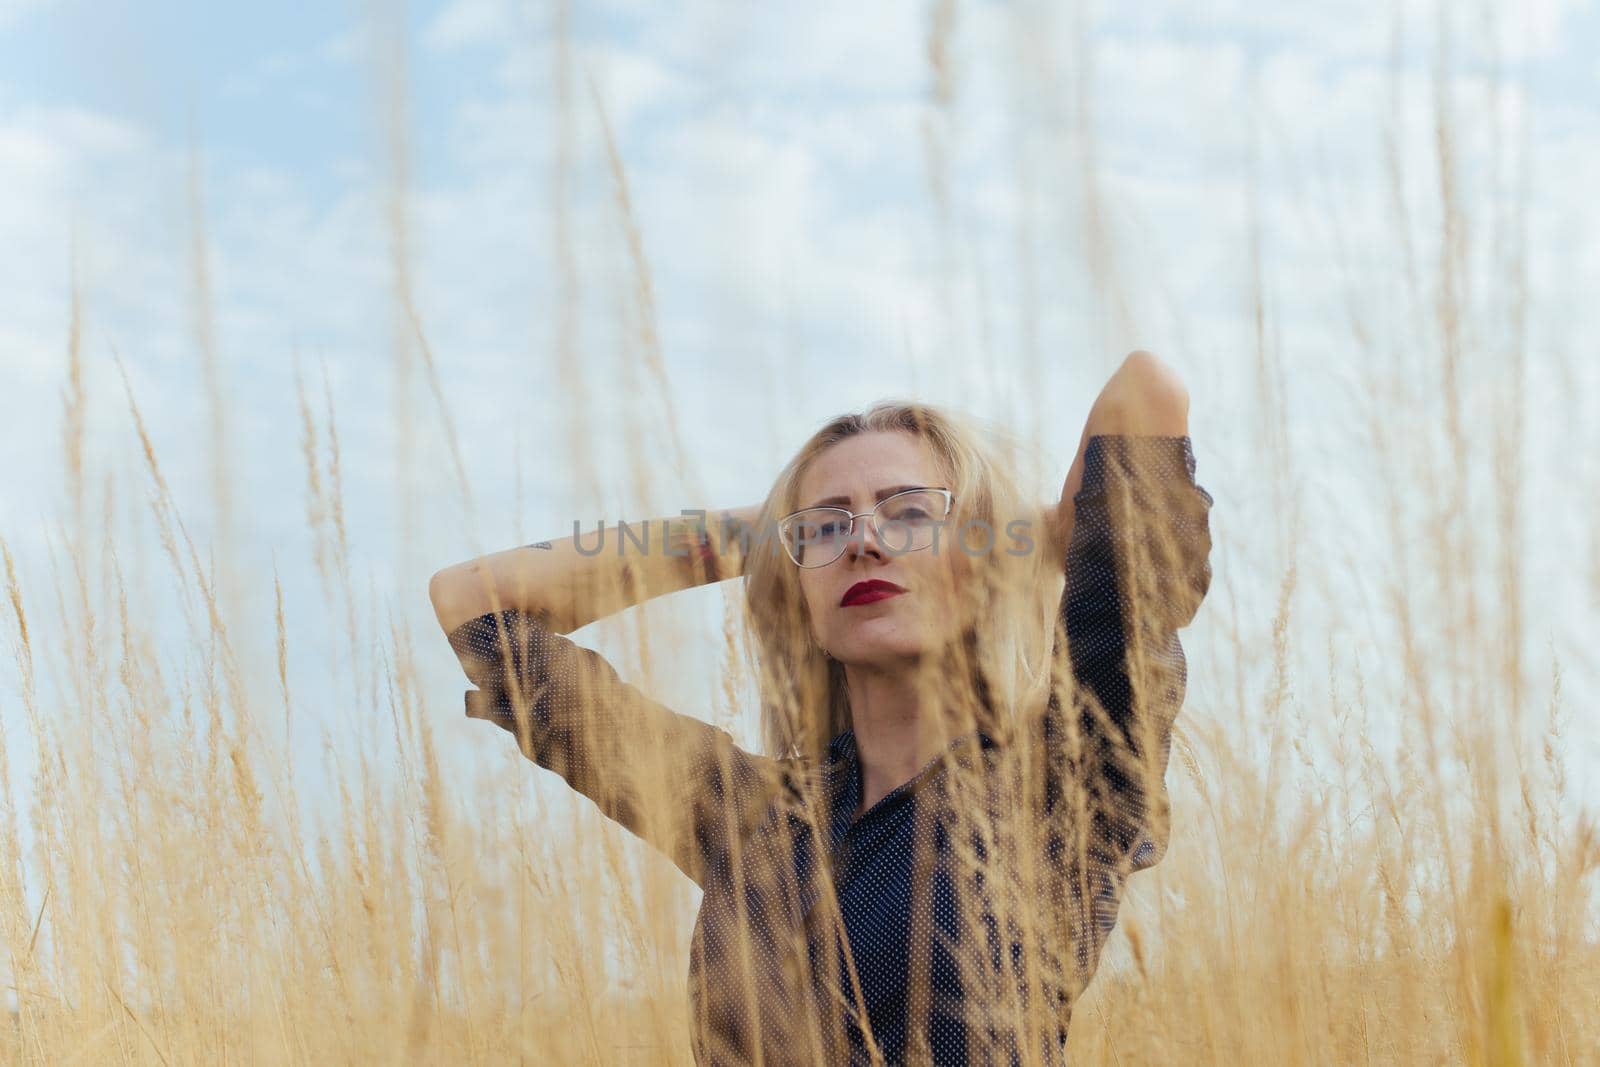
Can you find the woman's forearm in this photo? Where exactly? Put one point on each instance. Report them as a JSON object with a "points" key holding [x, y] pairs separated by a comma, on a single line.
{"points": [[571, 582]]}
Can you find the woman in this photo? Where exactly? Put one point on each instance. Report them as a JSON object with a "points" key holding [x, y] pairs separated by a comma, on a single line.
{"points": [[927, 861]]}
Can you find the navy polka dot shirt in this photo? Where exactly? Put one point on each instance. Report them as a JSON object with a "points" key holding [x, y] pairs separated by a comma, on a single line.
{"points": [[827, 939]]}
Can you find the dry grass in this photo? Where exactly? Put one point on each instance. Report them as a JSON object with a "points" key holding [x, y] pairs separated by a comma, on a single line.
{"points": [[1376, 859]]}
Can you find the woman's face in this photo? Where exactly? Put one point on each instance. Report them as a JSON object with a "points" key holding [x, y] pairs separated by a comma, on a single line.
{"points": [[855, 474]]}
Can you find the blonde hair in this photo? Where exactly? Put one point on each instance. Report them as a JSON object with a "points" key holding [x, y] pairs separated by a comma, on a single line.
{"points": [[804, 699]]}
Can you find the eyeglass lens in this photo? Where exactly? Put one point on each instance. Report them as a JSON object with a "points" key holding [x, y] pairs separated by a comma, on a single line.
{"points": [[904, 522]]}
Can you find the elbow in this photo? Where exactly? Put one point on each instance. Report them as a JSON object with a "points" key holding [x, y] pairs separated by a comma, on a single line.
{"points": [[461, 592], [1144, 396], [447, 593], [437, 587], [1155, 381]]}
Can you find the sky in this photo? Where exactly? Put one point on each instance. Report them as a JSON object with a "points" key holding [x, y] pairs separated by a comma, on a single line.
{"points": [[272, 185]]}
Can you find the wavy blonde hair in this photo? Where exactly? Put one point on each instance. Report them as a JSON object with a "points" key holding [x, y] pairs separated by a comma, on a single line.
{"points": [[804, 698]]}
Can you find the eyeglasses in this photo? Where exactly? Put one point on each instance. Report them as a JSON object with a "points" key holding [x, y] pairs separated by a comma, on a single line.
{"points": [[904, 522]]}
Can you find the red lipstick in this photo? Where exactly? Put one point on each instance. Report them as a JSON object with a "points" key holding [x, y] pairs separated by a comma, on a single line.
{"points": [[869, 591]]}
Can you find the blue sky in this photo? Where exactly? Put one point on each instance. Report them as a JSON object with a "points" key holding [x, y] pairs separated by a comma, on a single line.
{"points": [[778, 162]]}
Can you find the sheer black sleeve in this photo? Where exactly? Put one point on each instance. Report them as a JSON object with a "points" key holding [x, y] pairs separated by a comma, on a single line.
{"points": [[675, 781], [1137, 567]]}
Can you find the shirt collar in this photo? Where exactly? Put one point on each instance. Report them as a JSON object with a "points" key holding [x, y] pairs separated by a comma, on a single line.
{"points": [[843, 746], [843, 775]]}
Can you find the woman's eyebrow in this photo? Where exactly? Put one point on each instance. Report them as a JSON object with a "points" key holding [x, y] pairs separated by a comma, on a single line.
{"points": [[844, 501]]}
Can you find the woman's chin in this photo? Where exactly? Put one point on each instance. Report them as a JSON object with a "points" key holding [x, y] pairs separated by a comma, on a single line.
{"points": [[882, 650]]}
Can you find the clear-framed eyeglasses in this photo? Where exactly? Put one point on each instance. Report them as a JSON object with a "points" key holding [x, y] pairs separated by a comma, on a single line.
{"points": [[904, 522]]}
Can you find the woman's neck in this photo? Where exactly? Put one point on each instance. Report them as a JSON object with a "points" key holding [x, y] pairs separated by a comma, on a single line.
{"points": [[894, 737]]}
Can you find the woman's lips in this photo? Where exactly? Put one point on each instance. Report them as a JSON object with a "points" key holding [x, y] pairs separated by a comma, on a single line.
{"points": [[868, 592]]}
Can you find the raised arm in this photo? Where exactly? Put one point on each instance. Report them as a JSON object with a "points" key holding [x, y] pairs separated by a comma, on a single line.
{"points": [[673, 780], [1137, 560], [570, 582]]}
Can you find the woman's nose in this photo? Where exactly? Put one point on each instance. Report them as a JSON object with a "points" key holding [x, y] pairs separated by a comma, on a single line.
{"points": [[863, 538]]}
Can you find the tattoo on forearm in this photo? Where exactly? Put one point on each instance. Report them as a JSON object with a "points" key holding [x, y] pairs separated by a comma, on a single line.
{"points": [[686, 537]]}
